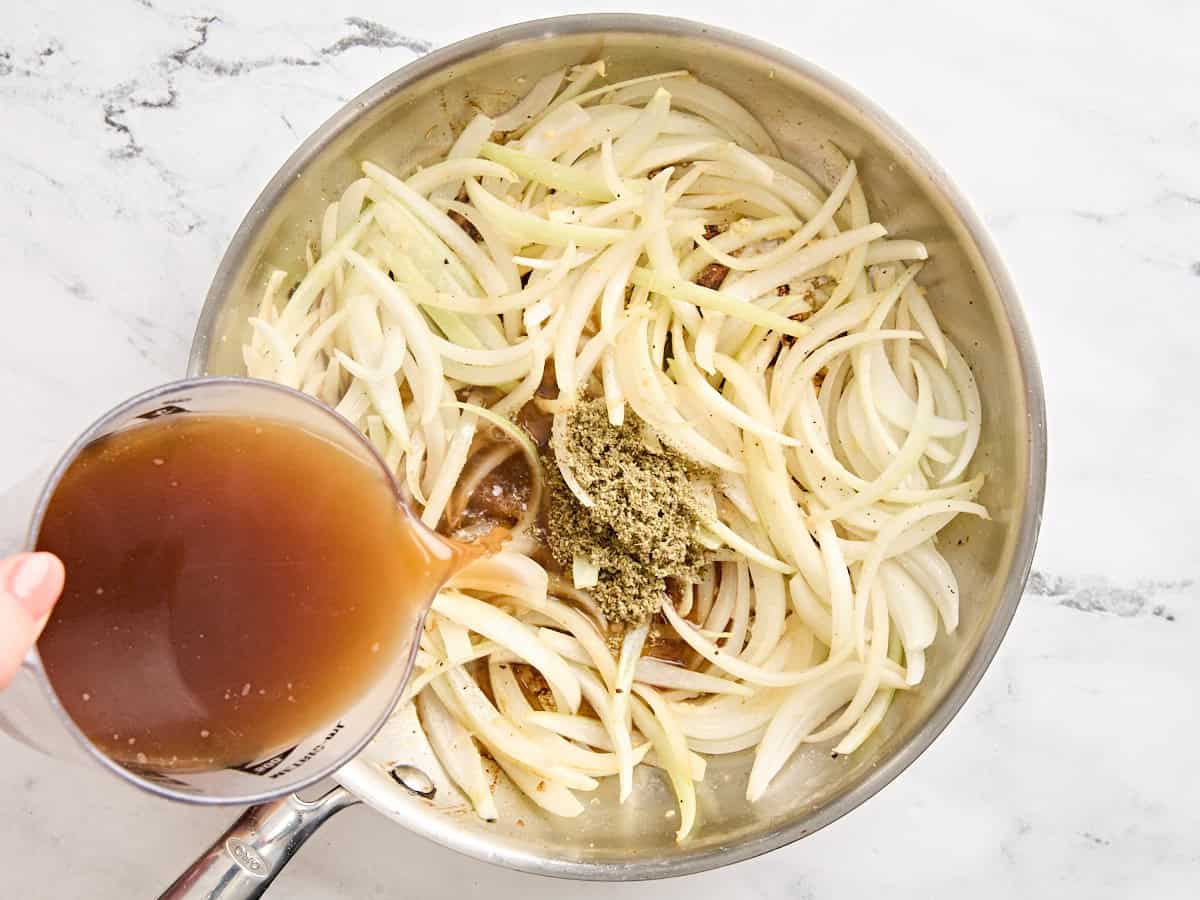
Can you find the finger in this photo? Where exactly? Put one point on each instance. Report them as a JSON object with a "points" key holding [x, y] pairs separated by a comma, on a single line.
{"points": [[30, 583]]}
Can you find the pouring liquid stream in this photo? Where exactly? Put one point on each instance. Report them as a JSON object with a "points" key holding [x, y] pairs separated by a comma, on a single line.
{"points": [[233, 583]]}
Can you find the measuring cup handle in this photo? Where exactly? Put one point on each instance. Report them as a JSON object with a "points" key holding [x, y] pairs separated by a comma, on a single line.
{"points": [[245, 860]]}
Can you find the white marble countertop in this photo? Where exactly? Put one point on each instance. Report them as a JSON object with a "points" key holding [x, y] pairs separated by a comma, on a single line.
{"points": [[135, 133]]}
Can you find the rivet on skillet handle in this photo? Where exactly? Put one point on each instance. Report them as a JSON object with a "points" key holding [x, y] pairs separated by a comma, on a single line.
{"points": [[245, 860]]}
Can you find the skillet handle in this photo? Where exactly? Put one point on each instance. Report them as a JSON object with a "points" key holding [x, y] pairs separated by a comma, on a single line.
{"points": [[245, 860]]}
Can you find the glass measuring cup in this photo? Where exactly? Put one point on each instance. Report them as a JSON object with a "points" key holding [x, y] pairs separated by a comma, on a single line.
{"points": [[32, 711]]}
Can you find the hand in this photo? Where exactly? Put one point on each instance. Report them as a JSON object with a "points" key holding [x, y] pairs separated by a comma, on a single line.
{"points": [[29, 586]]}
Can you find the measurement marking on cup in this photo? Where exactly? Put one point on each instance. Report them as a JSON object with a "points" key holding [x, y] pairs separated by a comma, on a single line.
{"points": [[313, 751]]}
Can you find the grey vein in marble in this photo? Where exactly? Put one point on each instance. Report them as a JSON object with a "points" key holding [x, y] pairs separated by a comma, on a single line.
{"points": [[365, 33], [1097, 594]]}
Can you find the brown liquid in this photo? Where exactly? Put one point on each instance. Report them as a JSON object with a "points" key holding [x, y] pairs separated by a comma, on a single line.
{"points": [[232, 584]]}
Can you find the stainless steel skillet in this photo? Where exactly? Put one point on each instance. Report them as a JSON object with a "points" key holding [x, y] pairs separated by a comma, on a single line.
{"points": [[412, 116]]}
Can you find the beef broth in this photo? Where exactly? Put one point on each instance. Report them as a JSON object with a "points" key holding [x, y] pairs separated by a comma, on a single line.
{"points": [[232, 584]]}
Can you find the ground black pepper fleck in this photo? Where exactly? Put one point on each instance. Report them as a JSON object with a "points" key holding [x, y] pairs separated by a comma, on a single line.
{"points": [[642, 527]]}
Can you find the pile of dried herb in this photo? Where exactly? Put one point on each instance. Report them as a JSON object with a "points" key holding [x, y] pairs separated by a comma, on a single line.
{"points": [[641, 529]]}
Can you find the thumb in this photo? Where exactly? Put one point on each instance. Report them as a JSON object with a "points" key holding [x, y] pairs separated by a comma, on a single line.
{"points": [[30, 583]]}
